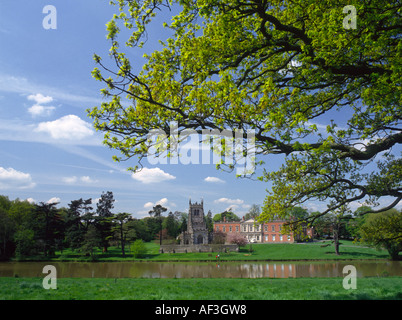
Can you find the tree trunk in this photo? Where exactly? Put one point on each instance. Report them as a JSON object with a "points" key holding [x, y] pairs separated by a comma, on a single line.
{"points": [[336, 238], [122, 239]]}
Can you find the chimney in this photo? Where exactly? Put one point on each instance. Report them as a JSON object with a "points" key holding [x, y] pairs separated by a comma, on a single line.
{"points": [[224, 219]]}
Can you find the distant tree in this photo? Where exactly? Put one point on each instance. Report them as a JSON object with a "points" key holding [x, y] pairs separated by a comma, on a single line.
{"points": [[230, 216], [140, 229], [48, 226], [105, 204], [219, 237], [209, 222], [298, 213], [74, 228], [25, 242], [16, 227], [92, 240], [183, 221], [172, 225], [7, 230], [122, 228], [138, 249], [236, 238], [253, 213], [332, 225], [384, 230], [5, 202], [352, 227], [21, 212], [156, 212], [104, 217]]}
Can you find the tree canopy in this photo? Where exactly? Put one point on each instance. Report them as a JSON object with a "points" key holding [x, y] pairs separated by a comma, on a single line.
{"points": [[326, 97]]}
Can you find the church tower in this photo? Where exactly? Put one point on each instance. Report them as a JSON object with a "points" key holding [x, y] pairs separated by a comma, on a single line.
{"points": [[197, 232]]}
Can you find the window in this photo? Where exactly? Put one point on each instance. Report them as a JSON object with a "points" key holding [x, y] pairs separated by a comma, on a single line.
{"points": [[217, 228], [266, 228], [273, 237], [266, 238], [230, 229], [237, 228], [257, 228], [224, 229], [288, 237], [273, 228], [281, 238]]}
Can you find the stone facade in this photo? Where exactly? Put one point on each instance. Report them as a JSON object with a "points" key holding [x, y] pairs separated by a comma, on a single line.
{"points": [[260, 233], [197, 238], [197, 232]]}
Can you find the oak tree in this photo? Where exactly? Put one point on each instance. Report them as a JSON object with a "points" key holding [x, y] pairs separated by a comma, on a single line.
{"points": [[325, 97]]}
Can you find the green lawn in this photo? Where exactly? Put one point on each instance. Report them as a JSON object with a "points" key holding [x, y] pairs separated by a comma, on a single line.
{"points": [[207, 289], [306, 251]]}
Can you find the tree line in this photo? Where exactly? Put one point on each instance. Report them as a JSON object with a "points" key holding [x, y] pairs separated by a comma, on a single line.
{"points": [[41, 229]]}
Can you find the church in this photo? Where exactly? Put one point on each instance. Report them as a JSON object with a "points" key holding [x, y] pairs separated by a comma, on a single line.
{"points": [[197, 232], [197, 238]]}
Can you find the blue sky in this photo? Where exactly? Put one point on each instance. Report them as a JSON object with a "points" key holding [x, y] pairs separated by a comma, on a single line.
{"points": [[48, 147], [49, 150]]}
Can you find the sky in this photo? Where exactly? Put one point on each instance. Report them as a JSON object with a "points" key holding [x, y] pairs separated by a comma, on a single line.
{"points": [[49, 150]]}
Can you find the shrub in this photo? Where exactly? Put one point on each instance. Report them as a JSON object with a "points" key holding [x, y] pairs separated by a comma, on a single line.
{"points": [[235, 238], [138, 249]]}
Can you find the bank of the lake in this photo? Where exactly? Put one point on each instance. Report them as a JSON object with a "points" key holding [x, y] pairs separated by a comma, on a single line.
{"points": [[258, 252], [388, 288]]}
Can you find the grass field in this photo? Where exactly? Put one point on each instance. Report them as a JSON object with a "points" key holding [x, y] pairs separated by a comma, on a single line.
{"points": [[304, 251], [207, 289]]}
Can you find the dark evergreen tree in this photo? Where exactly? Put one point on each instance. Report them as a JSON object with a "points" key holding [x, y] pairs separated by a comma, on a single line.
{"points": [[104, 218]]}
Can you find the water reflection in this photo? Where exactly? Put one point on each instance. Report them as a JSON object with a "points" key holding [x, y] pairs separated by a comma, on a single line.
{"points": [[202, 269]]}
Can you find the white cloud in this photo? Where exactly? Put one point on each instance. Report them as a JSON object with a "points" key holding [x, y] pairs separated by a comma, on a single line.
{"points": [[40, 98], [229, 201], [70, 127], [31, 200], [164, 202], [26, 131], [38, 109], [74, 179], [16, 84], [231, 204], [70, 180], [53, 200], [213, 180], [87, 179], [149, 205], [153, 175], [11, 178], [232, 208]]}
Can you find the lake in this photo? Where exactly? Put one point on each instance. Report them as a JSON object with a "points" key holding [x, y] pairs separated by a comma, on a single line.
{"points": [[276, 269]]}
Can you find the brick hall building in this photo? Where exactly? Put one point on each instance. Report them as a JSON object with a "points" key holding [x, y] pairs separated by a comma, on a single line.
{"points": [[269, 232]]}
